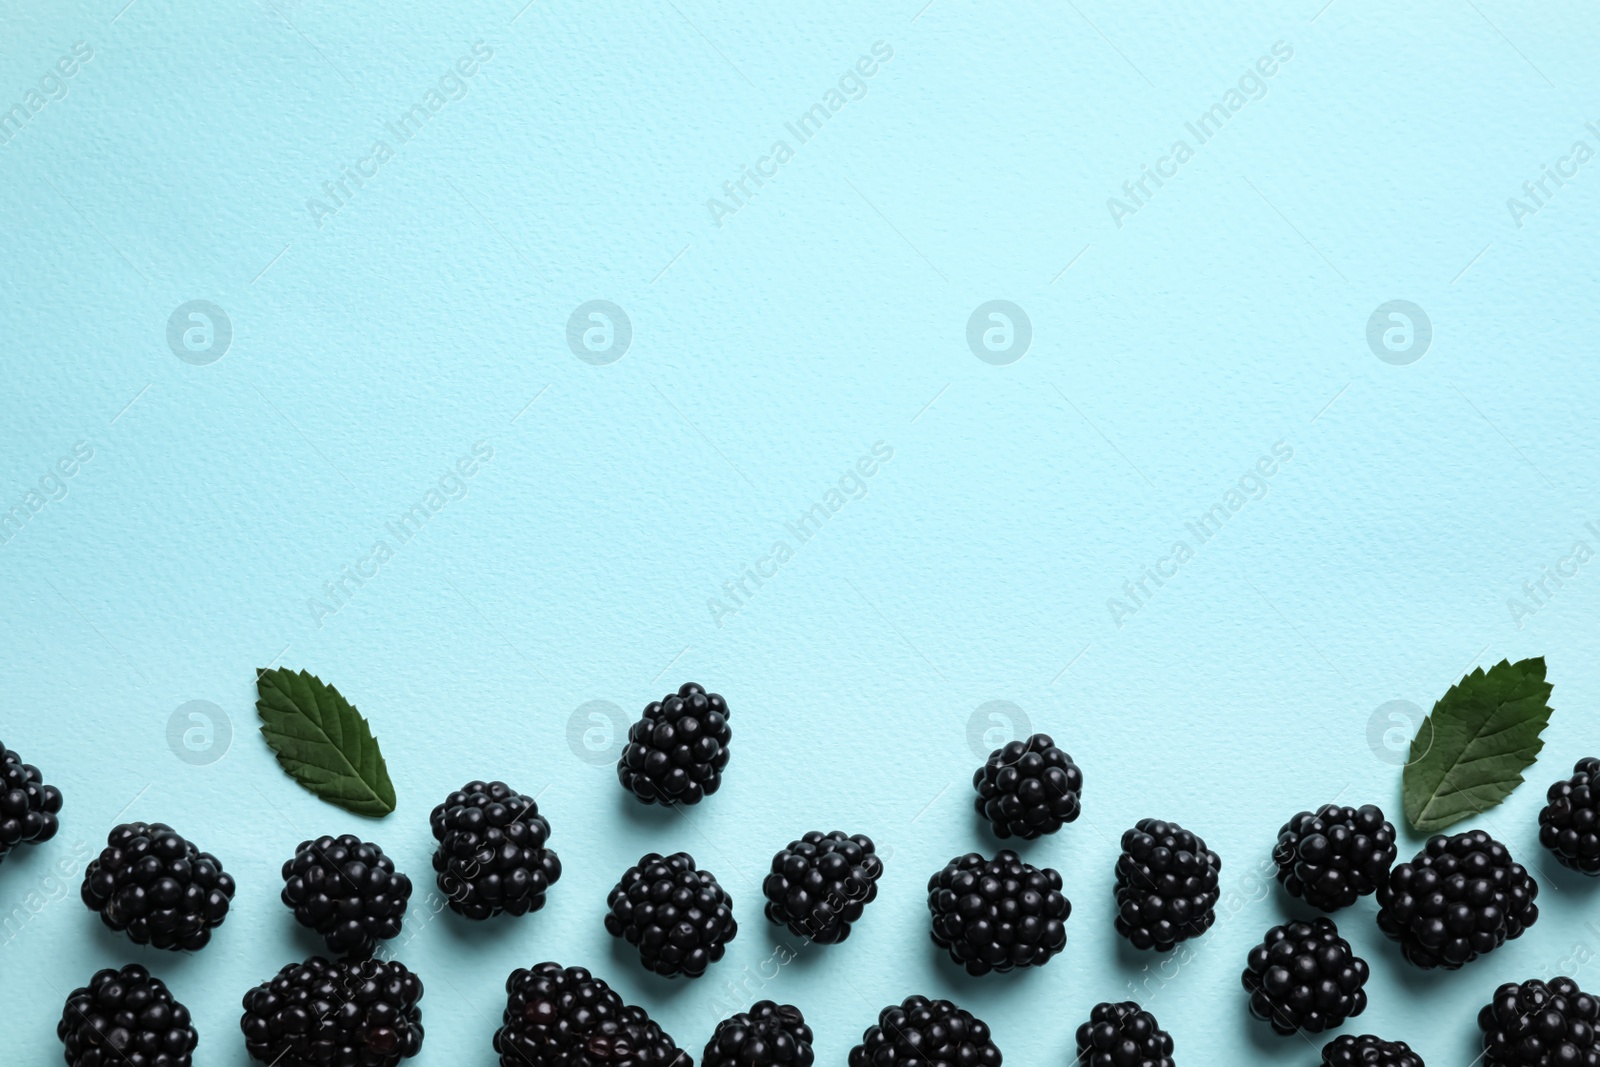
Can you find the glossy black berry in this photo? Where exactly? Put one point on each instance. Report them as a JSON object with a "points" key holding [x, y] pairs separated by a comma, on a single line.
{"points": [[926, 1033], [677, 916], [492, 858], [28, 807], [348, 1013], [677, 750], [160, 889], [1569, 825], [994, 915], [820, 884], [1304, 976], [768, 1035], [1540, 1024], [126, 1018], [1461, 896], [1123, 1035], [565, 1017], [1166, 885], [1333, 856], [1368, 1051], [347, 890], [1028, 788]]}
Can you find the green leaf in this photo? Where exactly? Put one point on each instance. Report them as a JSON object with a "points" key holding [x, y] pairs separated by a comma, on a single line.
{"points": [[1469, 754], [323, 742]]}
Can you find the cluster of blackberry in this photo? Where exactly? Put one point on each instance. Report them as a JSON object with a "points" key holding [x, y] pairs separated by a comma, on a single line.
{"points": [[1462, 896]]}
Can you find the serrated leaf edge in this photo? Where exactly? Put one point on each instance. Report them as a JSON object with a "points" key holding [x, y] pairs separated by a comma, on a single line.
{"points": [[375, 800]]}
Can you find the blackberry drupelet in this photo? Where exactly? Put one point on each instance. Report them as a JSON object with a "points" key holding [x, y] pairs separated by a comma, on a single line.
{"points": [[1569, 825], [678, 917], [126, 1018], [821, 883], [347, 890], [1028, 788], [1333, 856], [346, 1013], [1461, 896], [492, 858], [1368, 1051], [1304, 976], [926, 1033], [28, 807], [1166, 885], [678, 748], [566, 1017], [1123, 1035], [1540, 1024], [157, 887], [768, 1035], [994, 915]]}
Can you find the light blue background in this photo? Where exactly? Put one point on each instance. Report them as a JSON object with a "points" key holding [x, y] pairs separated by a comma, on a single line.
{"points": [[768, 354]]}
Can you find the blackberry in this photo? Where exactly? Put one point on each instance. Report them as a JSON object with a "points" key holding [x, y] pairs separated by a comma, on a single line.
{"points": [[28, 807], [1304, 976], [1368, 1051], [768, 1035], [678, 917], [345, 1013], [157, 887], [491, 858], [1540, 1024], [1028, 788], [678, 748], [925, 1033], [126, 1018], [1569, 825], [565, 1017], [1462, 896], [1331, 857], [994, 915], [347, 890], [1166, 885], [821, 883], [1123, 1035]]}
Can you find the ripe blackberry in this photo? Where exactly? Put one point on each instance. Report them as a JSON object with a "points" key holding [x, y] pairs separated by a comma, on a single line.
{"points": [[160, 889], [1028, 788], [677, 749], [1540, 1024], [925, 1033], [28, 807], [565, 1017], [1123, 1035], [993, 915], [821, 883], [768, 1035], [126, 1018], [347, 890], [345, 1013], [491, 858], [678, 917], [1333, 856], [1304, 976], [1462, 896], [1368, 1051], [1569, 825], [1166, 885]]}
